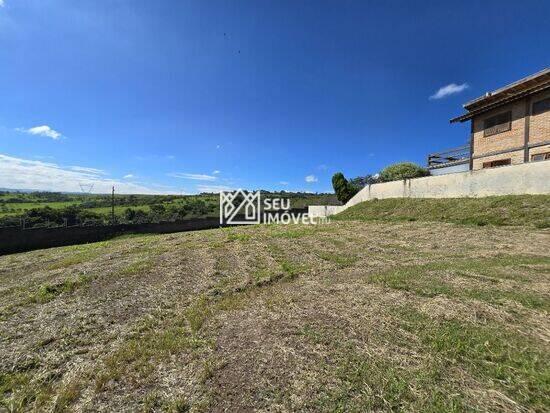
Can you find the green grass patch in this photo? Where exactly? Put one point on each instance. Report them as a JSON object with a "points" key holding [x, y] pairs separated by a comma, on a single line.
{"points": [[425, 279], [503, 359], [238, 236], [198, 313], [292, 269], [78, 254], [524, 210], [141, 266], [138, 357], [341, 260], [49, 291], [365, 382], [11, 383]]}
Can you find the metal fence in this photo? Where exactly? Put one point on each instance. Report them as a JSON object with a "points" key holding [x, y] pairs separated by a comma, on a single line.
{"points": [[449, 156]]}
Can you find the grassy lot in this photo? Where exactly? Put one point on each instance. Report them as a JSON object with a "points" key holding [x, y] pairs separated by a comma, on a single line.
{"points": [[496, 210], [347, 316]]}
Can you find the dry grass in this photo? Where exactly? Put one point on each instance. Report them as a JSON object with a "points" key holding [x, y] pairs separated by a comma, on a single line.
{"points": [[349, 316]]}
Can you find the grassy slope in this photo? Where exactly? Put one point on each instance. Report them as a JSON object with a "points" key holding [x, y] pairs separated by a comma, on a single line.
{"points": [[532, 210], [347, 316]]}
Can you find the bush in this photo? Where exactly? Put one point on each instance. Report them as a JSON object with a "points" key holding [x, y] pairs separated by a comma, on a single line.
{"points": [[344, 190], [158, 209], [403, 170], [129, 214]]}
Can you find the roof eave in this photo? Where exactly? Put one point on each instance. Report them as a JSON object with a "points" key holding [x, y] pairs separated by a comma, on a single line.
{"points": [[505, 100], [495, 93]]}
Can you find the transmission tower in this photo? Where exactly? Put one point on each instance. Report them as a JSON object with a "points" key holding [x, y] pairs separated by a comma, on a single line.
{"points": [[86, 188]]}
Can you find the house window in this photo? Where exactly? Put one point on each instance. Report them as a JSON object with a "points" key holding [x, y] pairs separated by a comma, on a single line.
{"points": [[497, 124], [541, 106], [540, 156], [494, 164]]}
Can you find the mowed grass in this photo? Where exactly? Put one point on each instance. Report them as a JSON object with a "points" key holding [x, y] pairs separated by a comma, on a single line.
{"points": [[496, 210], [347, 316]]}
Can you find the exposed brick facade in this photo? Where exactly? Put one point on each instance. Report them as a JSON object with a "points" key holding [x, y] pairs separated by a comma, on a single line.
{"points": [[515, 157], [489, 148], [539, 126]]}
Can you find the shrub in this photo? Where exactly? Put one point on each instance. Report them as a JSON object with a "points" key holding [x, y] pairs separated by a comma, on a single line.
{"points": [[403, 170], [344, 190], [158, 209], [129, 214]]}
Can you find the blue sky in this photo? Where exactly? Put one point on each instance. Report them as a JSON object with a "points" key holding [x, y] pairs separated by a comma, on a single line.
{"points": [[186, 96]]}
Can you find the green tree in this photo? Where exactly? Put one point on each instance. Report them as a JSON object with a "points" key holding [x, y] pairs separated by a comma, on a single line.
{"points": [[343, 188], [402, 170]]}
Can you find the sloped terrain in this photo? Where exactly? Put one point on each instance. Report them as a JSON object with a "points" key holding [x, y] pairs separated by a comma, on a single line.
{"points": [[529, 210], [346, 316]]}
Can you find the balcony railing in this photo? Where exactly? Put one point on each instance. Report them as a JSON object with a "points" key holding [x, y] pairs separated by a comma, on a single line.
{"points": [[450, 156]]}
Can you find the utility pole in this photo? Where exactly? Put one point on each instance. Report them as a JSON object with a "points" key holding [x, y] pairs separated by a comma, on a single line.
{"points": [[113, 207]]}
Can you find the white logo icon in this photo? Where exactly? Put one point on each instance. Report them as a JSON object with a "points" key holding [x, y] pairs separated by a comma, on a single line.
{"points": [[239, 207]]}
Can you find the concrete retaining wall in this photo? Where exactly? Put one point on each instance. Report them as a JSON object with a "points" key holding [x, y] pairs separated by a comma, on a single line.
{"points": [[529, 178]]}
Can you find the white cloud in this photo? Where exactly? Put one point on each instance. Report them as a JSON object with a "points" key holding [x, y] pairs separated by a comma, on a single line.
{"points": [[129, 176], [213, 188], [283, 182], [311, 179], [450, 89], [216, 172], [195, 177], [89, 171], [2, 4], [43, 130], [17, 173]]}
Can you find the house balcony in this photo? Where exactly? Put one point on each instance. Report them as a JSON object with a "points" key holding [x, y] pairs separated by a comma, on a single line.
{"points": [[450, 161]]}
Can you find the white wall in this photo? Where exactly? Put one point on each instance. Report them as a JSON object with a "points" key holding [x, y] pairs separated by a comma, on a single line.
{"points": [[463, 167], [529, 178]]}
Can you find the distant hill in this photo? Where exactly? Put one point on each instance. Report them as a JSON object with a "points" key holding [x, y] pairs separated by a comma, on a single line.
{"points": [[26, 191]]}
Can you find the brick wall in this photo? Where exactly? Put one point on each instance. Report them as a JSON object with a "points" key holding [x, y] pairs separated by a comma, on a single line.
{"points": [[515, 157], [539, 126], [539, 131], [514, 138]]}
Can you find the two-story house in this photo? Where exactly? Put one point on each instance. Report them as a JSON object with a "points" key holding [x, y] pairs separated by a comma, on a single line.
{"points": [[509, 126]]}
